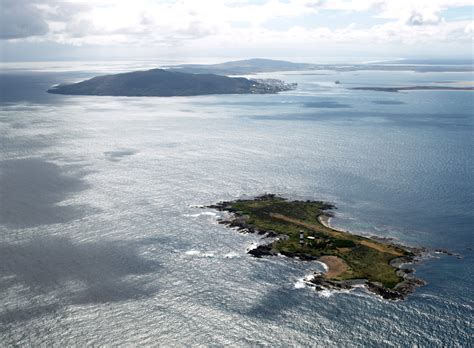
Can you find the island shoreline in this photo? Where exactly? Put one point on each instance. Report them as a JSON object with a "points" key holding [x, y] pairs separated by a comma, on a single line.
{"points": [[320, 280]]}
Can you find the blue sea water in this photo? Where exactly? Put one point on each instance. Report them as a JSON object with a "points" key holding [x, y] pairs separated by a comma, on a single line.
{"points": [[102, 242]]}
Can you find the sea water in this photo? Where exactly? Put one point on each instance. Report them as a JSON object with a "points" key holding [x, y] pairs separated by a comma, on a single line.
{"points": [[103, 239]]}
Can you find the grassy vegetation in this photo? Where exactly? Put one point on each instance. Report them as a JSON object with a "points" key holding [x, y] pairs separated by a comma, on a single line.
{"points": [[365, 258]]}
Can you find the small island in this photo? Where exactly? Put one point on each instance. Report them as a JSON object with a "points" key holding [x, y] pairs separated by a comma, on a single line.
{"points": [[300, 229], [165, 83]]}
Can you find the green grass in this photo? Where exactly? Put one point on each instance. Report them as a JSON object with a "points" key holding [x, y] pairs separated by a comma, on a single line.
{"points": [[365, 258]]}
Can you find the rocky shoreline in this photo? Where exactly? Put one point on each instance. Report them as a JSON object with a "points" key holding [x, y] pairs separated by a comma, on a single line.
{"points": [[318, 280], [270, 86]]}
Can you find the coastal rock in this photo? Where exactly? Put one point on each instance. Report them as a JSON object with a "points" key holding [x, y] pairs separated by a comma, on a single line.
{"points": [[384, 292], [320, 283], [261, 250], [301, 256], [271, 234]]}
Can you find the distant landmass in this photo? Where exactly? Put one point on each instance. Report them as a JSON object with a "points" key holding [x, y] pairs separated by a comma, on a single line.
{"points": [[415, 88], [242, 67], [259, 65], [166, 83], [202, 79], [445, 61]]}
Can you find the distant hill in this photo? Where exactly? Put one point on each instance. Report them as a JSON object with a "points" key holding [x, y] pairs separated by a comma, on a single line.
{"points": [[242, 67], [165, 83], [258, 65]]}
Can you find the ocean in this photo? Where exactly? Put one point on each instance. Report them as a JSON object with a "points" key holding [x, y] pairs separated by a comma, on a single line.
{"points": [[103, 240]]}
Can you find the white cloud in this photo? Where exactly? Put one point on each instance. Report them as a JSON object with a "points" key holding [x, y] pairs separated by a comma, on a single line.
{"points": [[213, 24], [424, 18], [469, 29]]}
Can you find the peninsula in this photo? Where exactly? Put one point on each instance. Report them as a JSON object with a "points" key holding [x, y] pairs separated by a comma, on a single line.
{"points": [[164, 83], [300, 229]]}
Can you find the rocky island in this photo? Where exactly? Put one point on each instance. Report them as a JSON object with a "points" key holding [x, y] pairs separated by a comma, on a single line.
{"points": [[299, 229], [164, 83]]}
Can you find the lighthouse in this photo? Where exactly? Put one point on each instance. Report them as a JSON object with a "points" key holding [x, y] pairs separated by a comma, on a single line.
{"points": [[301, 238]]}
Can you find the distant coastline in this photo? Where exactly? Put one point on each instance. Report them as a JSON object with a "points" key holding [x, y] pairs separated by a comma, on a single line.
{"points": [[222, 78], [259, 65], [414, 88]]}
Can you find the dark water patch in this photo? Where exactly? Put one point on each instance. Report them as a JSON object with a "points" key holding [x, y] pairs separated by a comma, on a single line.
{"points": [[388, 102], [117, 155], [19, 125], [72, 272], [274, 303], [31, 87], [23, 142], [244, 102], [327, 105], [300, 117], [32, 188], [27, 313], [446, 121]]}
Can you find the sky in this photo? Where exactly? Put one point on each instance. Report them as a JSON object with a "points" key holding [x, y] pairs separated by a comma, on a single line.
{"points": [[42, 30]]}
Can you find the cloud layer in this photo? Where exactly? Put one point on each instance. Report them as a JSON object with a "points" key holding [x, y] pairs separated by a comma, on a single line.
{"points": [[21, 19], [225, 24]]}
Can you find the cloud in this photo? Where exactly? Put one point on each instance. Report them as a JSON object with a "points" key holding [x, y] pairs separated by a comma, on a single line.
{"points": [[21, 19], [469, 29], [188, 25], [427, 18]]}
